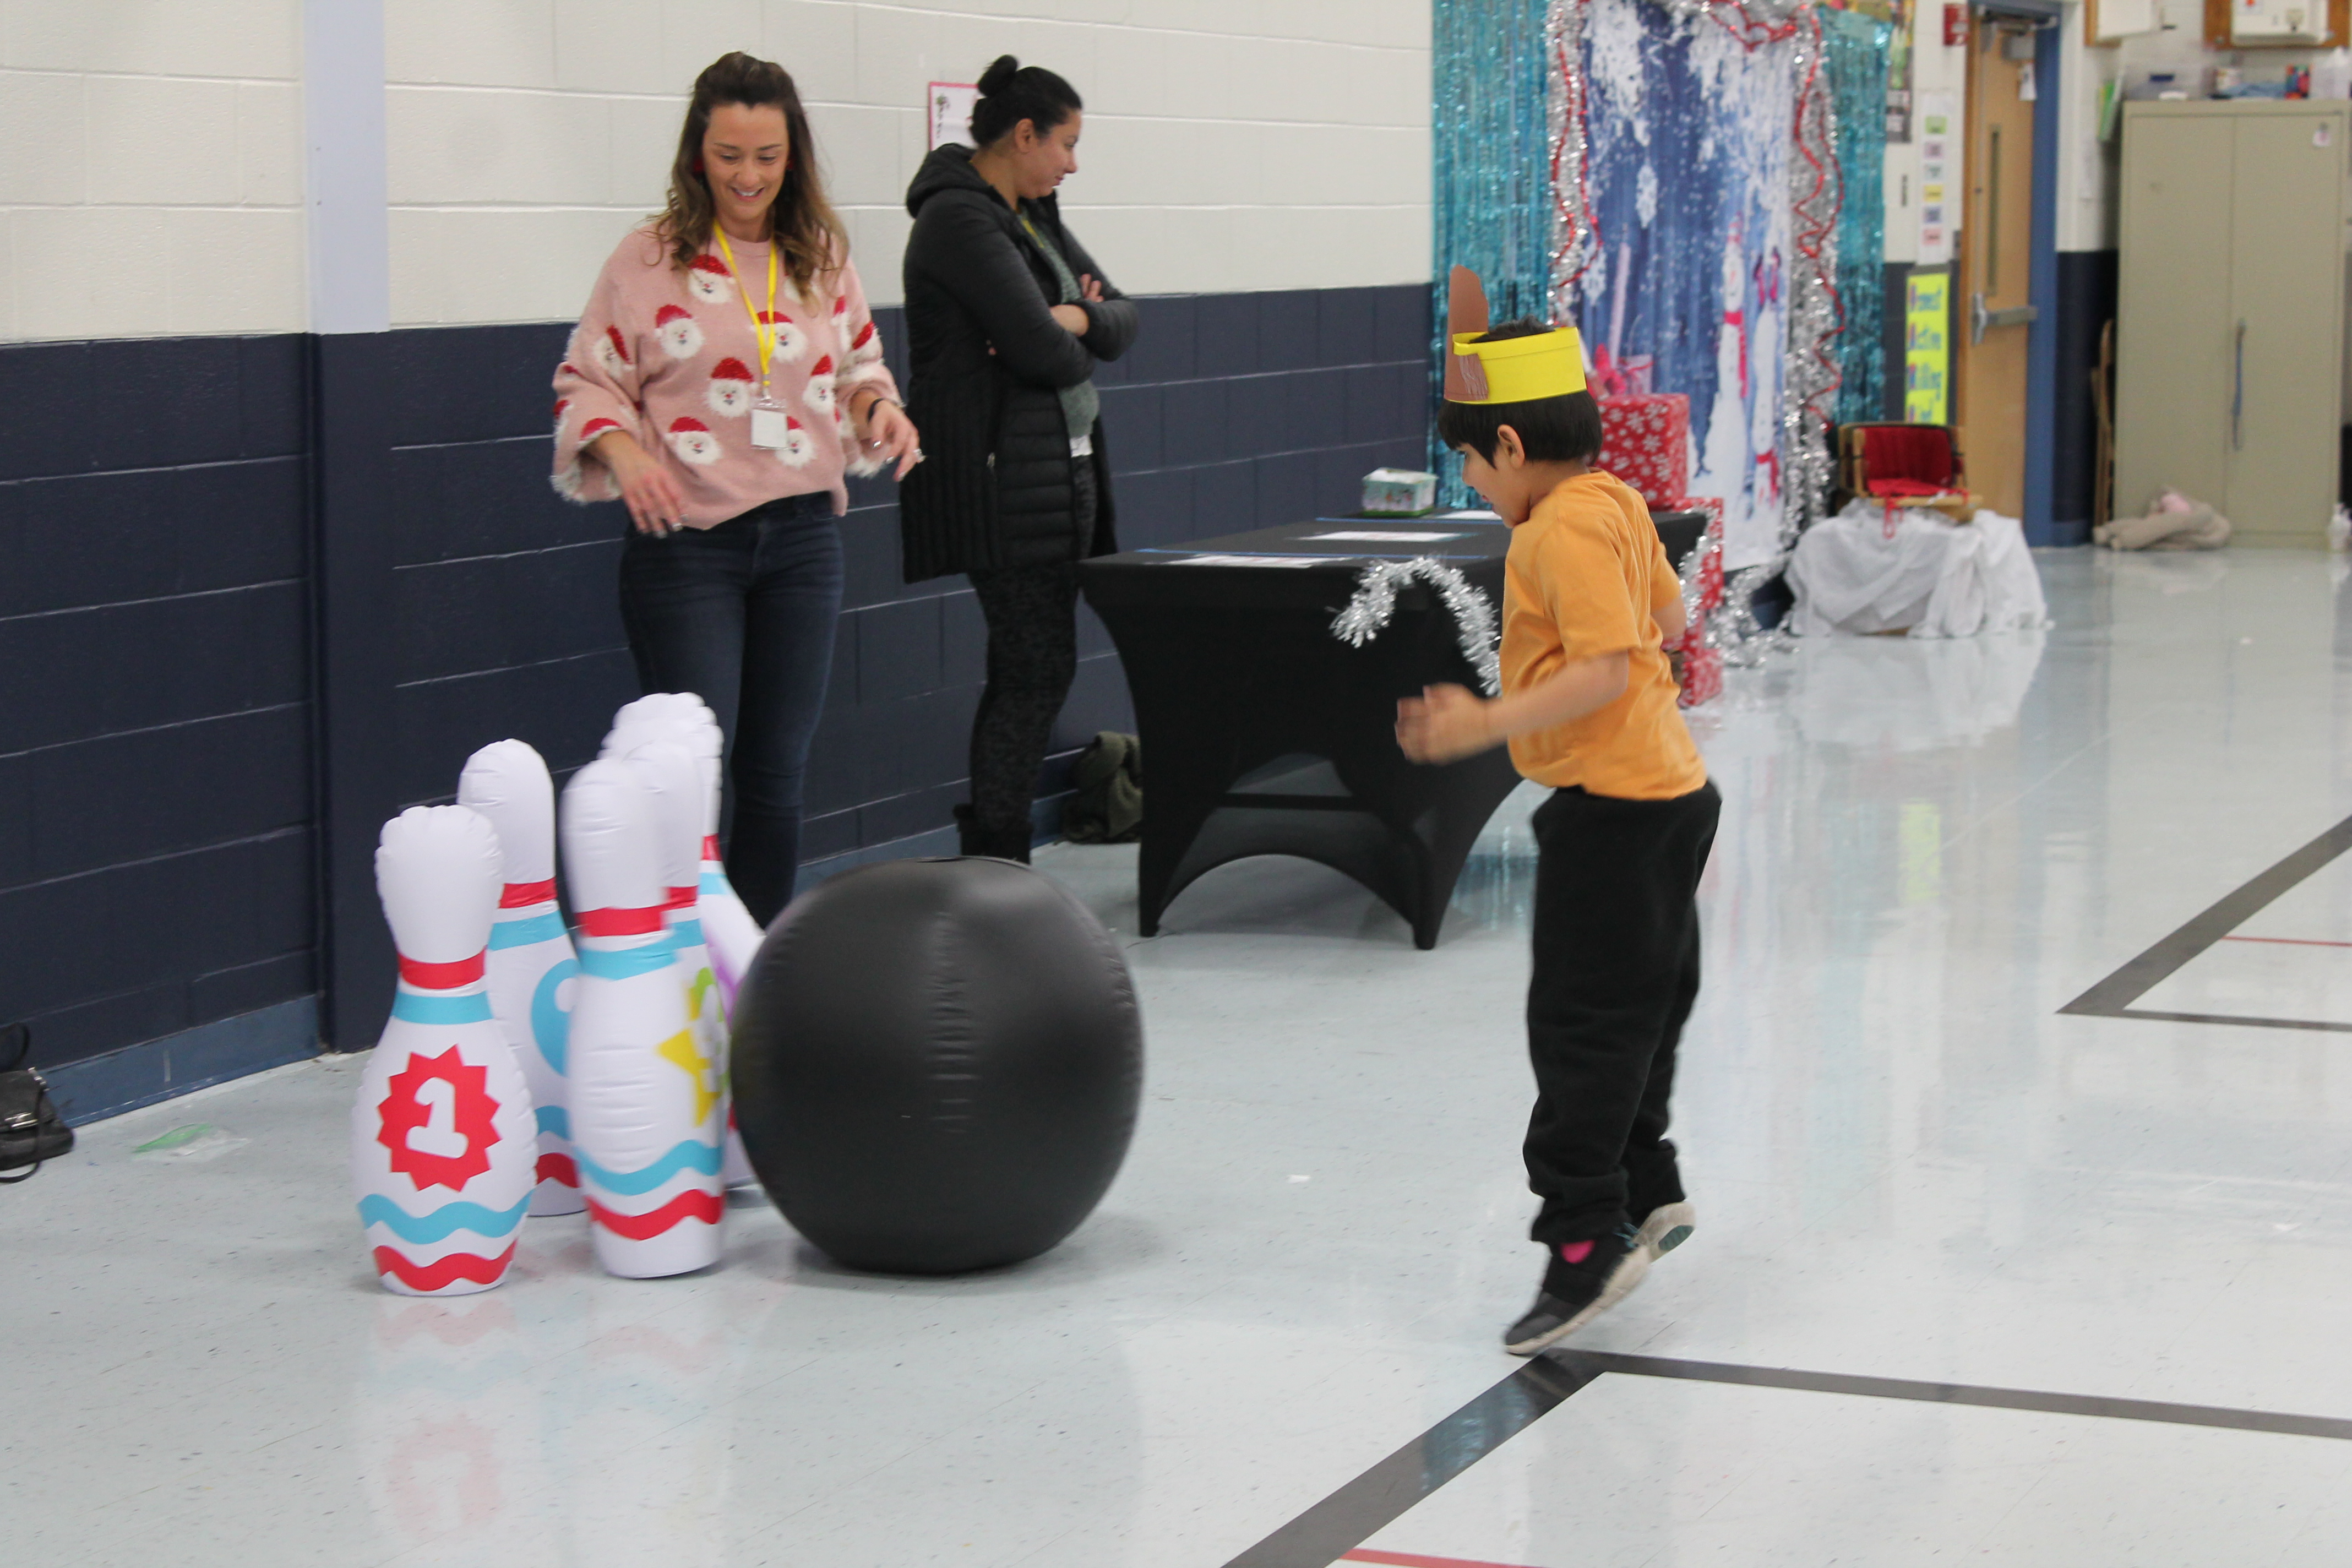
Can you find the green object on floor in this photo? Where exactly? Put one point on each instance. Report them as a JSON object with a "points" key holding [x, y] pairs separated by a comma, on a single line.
{"points": [[174, 1138], [1106, 804]]}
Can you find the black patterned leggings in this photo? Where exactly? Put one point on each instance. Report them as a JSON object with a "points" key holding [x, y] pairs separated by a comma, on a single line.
{"points": [[1033, 656]]}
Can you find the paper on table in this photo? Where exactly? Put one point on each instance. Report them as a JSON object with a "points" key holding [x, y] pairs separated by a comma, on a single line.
{"points": [[1259, 560], [1470, 514], [1386, 536]]}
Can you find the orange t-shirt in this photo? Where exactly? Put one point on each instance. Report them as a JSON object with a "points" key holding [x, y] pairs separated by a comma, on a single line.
{"points": [[1584, 572]]}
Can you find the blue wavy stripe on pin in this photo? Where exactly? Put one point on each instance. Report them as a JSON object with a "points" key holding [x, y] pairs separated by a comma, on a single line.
{"points": [[556, 1120], [687, 933], [417, 1007], [714, 882], [528, 932], [688, 1155], [442, 1223], [627, 963], [551, 1024]]}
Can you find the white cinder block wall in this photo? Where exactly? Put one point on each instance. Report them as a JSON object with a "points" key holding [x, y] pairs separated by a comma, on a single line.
{"points": [[1229, 146], [150, 167]]}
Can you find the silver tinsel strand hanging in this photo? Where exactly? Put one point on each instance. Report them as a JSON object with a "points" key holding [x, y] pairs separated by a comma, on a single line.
{"points": [[1810, 376], [1374, 604], [1574, 245]]}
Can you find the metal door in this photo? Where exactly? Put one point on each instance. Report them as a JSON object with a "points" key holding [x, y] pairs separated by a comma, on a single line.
{"points": [[2285, 323]]}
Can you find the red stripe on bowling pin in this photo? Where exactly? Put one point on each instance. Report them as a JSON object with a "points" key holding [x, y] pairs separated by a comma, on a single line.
{"points": [[442, 976], [686, 1205], [443, 1272], [622, 923], [523, 895]]}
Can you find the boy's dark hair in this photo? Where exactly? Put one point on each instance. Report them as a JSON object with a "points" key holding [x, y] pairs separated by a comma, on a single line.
{"points": [[1564, 429], [1011, 92]]}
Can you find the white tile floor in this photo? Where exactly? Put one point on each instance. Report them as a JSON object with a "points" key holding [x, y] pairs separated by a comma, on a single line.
{"points": [[1908, 1165]]}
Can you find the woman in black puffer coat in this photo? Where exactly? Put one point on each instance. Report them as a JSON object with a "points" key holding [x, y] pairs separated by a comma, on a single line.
{"points": [[1006, 315]]}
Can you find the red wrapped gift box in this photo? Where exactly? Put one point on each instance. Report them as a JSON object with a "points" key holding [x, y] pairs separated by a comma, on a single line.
{"points": [[1645, 441], [1698, 668]]}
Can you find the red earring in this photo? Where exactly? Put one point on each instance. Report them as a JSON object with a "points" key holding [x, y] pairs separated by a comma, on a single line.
{"points": [[698, 166]]}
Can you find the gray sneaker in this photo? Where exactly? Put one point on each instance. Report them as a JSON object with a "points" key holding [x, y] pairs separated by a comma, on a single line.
{"points": [[1667, 1227]]}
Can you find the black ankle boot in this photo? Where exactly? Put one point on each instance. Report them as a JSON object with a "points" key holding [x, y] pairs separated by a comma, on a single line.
{"points": [[996, 843]]}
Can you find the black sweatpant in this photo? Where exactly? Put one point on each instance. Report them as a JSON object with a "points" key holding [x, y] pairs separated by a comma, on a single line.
{"points": [[1616, 971]]}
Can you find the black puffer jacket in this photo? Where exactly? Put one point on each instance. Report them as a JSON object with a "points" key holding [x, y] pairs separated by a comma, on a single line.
{"points": [[993, 487]]}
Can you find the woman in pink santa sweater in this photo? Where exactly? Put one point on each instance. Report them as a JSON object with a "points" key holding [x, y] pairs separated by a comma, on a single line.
{"points": [[724, 376]]}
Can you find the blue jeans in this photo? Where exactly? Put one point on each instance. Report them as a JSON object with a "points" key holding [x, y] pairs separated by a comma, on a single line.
{"points": [[742, 615]]}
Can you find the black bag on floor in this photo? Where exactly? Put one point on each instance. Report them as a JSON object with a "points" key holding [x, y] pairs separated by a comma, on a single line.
{"points": [[1105, 804], [31, 1131]]}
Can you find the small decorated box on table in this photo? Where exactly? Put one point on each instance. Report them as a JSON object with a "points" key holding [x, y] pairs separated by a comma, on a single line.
{"points": [[1400, 492]]}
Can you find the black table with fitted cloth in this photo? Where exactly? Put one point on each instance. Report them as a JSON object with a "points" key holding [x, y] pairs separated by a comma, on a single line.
{"points": [[1264, 734]]}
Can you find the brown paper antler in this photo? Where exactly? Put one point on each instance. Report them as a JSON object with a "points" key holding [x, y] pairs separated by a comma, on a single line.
{"points": [[1466, 311]]}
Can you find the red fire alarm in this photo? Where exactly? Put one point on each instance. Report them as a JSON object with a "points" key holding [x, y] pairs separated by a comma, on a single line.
{"points": [[1955, 26]]}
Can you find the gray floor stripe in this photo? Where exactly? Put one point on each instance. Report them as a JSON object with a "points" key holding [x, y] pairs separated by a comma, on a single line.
{"points": [[2322, 1025], [2112, 997], [1591, 1364], [1365, 1506], [1382, 1495]]}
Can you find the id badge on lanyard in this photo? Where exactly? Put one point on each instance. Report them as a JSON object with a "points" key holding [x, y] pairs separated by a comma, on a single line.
{"points": [[768, 427]]}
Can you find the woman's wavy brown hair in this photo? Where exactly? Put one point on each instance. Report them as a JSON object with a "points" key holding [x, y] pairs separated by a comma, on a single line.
{"points": [[807, 233]]}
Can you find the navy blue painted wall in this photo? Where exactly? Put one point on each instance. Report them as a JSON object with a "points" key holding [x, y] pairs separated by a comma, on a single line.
{"points": [[163, 550], [2087, 303], [155, 789]]}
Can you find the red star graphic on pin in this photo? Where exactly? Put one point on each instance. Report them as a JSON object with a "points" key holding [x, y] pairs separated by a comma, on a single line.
{"points": [[472, 1117]]}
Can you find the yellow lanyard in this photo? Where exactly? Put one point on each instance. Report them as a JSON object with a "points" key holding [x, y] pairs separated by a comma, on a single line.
{"points": [[762, 327]]}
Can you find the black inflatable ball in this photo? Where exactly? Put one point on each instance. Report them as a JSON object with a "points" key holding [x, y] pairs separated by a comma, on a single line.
{"points": [[937, 1065]]}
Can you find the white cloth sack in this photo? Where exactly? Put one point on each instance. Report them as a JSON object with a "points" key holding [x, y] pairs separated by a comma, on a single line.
{"points": [[1933, 578]]}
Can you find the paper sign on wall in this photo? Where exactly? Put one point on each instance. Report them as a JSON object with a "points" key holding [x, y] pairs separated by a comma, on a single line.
{"points": [[949, 109], [1939, 176], [1926, 350]]}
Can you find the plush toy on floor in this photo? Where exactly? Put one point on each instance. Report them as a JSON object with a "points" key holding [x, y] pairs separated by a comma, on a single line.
{"points": [[937, 1065]]}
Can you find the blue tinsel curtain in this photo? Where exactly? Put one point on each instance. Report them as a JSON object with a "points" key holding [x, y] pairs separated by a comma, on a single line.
{"points": [[1855, 48], [1492, 188]]}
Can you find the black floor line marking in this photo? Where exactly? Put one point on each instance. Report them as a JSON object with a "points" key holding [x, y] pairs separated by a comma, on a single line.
{"points": [[1382, 1495], [2240, 1020], [1367, 1505], [2113, 997], [1593, 1364]]}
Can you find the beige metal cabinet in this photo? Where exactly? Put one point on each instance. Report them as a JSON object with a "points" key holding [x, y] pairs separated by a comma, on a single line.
{"points": [[2229, 321]]}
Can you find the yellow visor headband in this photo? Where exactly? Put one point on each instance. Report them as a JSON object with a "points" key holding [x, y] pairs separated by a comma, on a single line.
{"points": [[1515, 370]]}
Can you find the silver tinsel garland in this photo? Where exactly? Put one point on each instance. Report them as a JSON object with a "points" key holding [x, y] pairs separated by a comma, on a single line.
{"points": [[1374, 606], [1810, 377], [1574, 245]]}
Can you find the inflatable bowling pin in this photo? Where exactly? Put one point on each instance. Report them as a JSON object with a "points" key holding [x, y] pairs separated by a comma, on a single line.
{"points": [[531, 965], [669, 774], [720, 914], [443, 1142], [727, 928], [646, 1101]]}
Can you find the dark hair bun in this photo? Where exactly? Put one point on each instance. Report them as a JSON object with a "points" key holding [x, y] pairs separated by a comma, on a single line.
{"points": [[995, 77], [1011, 92]]}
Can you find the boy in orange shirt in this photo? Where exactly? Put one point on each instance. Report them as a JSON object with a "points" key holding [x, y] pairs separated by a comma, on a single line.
{"points": [[1589, 707]]}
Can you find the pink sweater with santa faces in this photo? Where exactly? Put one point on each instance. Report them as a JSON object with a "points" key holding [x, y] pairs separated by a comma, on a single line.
{"points": [[669, 356]]}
